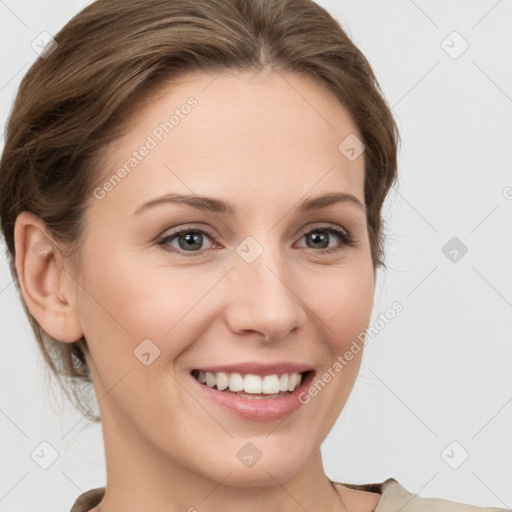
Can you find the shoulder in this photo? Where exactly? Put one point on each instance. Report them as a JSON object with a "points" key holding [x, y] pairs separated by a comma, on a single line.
{"points": [[396, 497], [88, 500]]}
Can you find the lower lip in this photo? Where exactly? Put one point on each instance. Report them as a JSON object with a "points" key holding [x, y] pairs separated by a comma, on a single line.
{"points": [[259, 409]]}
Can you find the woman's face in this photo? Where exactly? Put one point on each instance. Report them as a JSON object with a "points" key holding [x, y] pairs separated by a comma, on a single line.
{"points": [[268, 285]]}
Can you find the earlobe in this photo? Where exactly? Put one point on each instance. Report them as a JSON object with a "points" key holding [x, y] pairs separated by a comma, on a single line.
{"points": [[44, 282]]}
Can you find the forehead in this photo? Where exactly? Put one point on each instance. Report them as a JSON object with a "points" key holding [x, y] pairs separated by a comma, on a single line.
{"points": [[267, 135]]}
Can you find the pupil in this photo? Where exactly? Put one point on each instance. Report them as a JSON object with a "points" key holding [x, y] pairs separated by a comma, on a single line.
{"points": [[191, 239], [322, 237]]}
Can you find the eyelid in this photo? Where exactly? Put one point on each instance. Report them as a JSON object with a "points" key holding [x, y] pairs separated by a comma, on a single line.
{"points": [[323, 225], [162, 239], [347, 239]]}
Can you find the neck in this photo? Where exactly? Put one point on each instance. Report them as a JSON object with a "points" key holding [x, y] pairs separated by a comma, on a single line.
{"points": [[141, 477]]}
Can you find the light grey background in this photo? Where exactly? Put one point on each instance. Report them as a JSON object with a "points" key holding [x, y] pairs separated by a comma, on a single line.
{"points": [[440, 372]]}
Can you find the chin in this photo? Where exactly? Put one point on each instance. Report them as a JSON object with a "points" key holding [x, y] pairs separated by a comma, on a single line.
{"points": [[263, 461]]}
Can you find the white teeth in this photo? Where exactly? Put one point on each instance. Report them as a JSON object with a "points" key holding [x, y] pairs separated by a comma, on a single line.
{"points": [[270, 384], [250, 383], [222, 381], [210, 379], [283, 382], [292, 381], [236, 382]]}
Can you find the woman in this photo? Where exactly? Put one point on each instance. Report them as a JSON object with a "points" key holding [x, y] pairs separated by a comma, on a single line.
{"points": [[168, 172]]}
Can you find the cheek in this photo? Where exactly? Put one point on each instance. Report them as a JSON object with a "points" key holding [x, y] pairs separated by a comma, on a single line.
{"points": [[342, 300], [125, 303]]}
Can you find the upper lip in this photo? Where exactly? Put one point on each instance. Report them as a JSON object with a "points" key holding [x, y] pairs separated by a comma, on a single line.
{"points": [[258, 368]]}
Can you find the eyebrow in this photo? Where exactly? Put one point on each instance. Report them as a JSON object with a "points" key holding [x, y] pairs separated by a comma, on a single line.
{"points": [[223, 207]]}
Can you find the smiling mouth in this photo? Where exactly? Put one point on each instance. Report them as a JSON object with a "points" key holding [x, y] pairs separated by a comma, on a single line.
{"points": [[252, 385]]}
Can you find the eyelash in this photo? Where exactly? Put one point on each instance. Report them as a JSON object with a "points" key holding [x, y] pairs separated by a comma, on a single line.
{"points": [[346, 239]]}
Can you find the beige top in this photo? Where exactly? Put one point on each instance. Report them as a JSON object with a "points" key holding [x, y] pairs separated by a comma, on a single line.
{"points": [[393, 498]]}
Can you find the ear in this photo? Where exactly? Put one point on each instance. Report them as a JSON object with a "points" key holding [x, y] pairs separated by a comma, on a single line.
{"points": [[44, 282]]}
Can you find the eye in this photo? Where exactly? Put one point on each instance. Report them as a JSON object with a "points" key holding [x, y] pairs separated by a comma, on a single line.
{"points": [[320, 237], [188, 240]]}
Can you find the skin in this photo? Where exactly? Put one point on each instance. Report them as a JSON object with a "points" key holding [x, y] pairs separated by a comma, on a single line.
{"points": [[262, 141]]}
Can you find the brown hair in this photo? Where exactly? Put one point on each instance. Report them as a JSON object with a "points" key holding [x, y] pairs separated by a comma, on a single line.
{"points": [[72, 102]]}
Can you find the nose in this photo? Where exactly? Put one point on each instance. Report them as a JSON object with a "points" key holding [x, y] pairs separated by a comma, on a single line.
{"points": [[264, 298]]}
